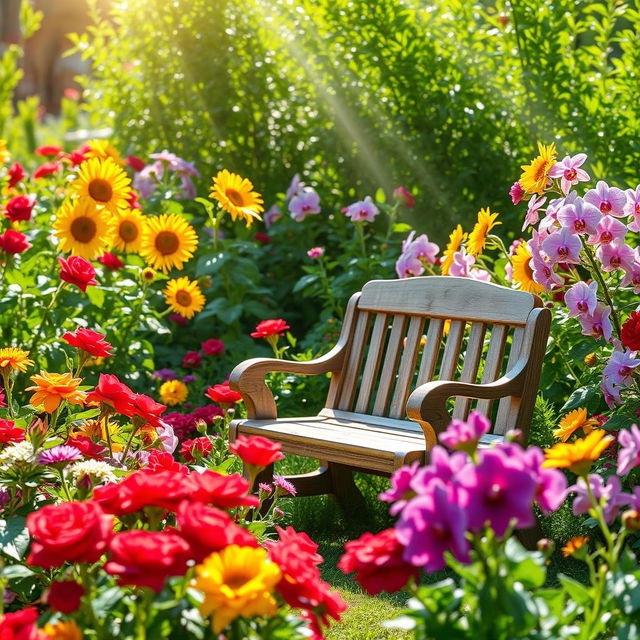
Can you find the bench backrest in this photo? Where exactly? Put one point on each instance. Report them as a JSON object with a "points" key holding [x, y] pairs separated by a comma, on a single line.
{"points": [[403, 333]]}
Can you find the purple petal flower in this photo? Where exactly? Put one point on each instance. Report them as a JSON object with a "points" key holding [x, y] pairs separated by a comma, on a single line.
{"points": [[615, 255], [466, 435], [551, 484], [272, 215], [609, 200], [303, 204], [533, 208], [362, 210], [609, 496], [620, 366], [610, 392], [442, 466], [632, 208], [400, 490], [632, 275], [286, 488], [165, 374], [629, 455], [581, 298], [597, 324], [59, 453], [461, 267], [189, 378], [579, 217], [562, 246], [167, 437], [569, 172], [608, 230], [294, 187]]}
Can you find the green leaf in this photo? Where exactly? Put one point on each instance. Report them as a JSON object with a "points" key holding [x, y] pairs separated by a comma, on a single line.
{"points": [[576, 591], [257, 528], [230, 314], [578, 398], [380, 197], [104, 602], [16, 572], [615, 423], [96, 296], [304, 282], [14, 537], [401, 227], [524, 566]]}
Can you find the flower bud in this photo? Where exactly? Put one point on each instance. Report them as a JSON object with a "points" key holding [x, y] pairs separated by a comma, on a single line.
{"points": [[631, 520], [546, 546], [590, 360], [278, 513]]}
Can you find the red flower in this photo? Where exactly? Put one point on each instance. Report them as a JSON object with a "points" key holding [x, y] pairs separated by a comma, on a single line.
{"points": [[212, 347], [268, 328], [64, 596], [87, 447], [78, 271], [112, 392], [147, 558], [223, 394], [196, 448], [111, 261], [90, 341], [377, 561], [2, 402], [20, 625], [262, 238], [630, 333], [76, 157], [256, 450], [191, 359], [148, 409], [164, 461], [19, 208], [9, 433], [15, 174], [404, 197], [47, 168], [208, 529], [221, 491], [178, 319], [137, 164], [68, 532], [13, 242], [133, 200], [48, 150]]}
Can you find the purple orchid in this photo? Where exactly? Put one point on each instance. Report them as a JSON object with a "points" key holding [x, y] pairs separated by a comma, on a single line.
{"points": [[533, 209], [609, 496], [542, 269], [362, 210], [629, 455], [615, 255], [632, 275], [597, 324], [303, 204], [464, 436], [620, 366], [579, 217], [462, 267], [632, 208], [272, 215], [569, 171], [581, 298], [562, 246], [608, 230], [609, 200], [295, 187], [610, 392], [551, 484]]}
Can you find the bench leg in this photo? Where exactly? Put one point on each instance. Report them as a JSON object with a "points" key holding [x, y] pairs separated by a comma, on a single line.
{"points": [[345, 490]]}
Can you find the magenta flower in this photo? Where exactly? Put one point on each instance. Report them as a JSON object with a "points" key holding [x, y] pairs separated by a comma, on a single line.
{"points": [[610, 392], [315, 252], [609, 200], [429, 526], [620, 366], [303, 204], [632, 275], [362, 210], [62, 453], [516, 192], [442, 466], [579, 217], [597, 324], [615, 255], [498, 491], [608, 230], [581, 298], [629, 454], [283, 486], [408, 265], [632, 208], [551, 484], [634, 499], [295, 186], [569, 171], [464, 436], [609, 496], [424, 250], [562, 246], [533, 208], [272, 215], [400, 490], [543, 272]]}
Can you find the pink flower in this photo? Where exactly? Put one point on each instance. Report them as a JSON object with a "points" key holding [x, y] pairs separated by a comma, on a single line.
{"points": [[400, 490], [632, 208], [283, 487], [404, 197], [516, 192], [609, 200], [581, 298], [611, 392], [303, 204], [629, 454], [272, 215], [608, 230], [60, 453], [632, 275], [615, 255], [533, 207], [465, 436], [315, 252], [442, 466], [542, 268], [362, 210], [408, 265], [212, 347], [415, 254], [294, 187], [562, 246], [551, 484], [579, 217], [569, 172], [609, 496], [461, 267], [597, 324], [620, 366]]}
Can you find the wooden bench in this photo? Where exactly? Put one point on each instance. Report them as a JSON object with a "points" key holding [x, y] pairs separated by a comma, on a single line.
{"points": [[406, 348]]}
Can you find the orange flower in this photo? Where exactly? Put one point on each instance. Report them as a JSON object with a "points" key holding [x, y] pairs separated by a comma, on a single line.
{"points": [[574, 420], [52, 388], [12, 359], [573, 545], [577, 456]]}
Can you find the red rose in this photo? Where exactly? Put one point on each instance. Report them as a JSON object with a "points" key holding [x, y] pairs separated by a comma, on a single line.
{"points": [[112, 392], [164, 461], [208, 529], [190, 450], [78, 271], [68, 532], [87, 447], [377, 561], [630, 334], [15, 174], [404, 197], [20, 625], [47, 168], [221, 491], [64, 596], [9, 433], [147, 558], [191, 359], [76, 157], [137, 164], [256, 450], [223, 394], [13, 242], [111, 261], [90, 341], [19, 208], [148, 409], [48, 150], [262, 238], [212, 347], [268, 328]]}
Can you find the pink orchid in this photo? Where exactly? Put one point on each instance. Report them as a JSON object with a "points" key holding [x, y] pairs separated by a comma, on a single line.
{"points": [[465, 435], [609, 200], [579, 217], [304, 203], [615, 255], [632, 275], [408, 265], [629, 456], [516, 192], [632, 208], [272, 215], [562, 246], [362, 210], [608, 230], [552, 484], [294, 187], [610, 392], [620, 366], [569, 171], [581, 298], [542, 268], [533, 208], [462, 267], [442, 466], [609, 495], [400, 490], [597, 324], [415, 254]]}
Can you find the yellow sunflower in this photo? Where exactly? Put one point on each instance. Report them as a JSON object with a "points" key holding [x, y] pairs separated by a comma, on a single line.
{"points": [[104, 183], [184, 297], [534, 175], [12, 359], [455, 240], [577, 456], [478, 236], [169, 242], [148, 274], [131, 226], [574, 420], [103, 150], [83, 229], [173, 392], [522, 271], [236, 196]]}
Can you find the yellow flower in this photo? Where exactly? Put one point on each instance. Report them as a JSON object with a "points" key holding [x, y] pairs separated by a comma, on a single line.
{"points": [[455, 240], [574, 420], [94, 430], [67, 630], [131, 226], [14, 359], [522, 271], [104, 183], [169, 242], [573, 545], [534, 175], [52, 388], [478, 237], [5, 156], [238, 581], [173, 392], [236, 196], [83, 229], [148, 274], [184, 297], [577, 456], [103, 150]]}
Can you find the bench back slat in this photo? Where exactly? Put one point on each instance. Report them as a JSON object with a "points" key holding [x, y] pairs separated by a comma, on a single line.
{"points": [[372, 364], [390, 366], [493, 363], [472, 357]]}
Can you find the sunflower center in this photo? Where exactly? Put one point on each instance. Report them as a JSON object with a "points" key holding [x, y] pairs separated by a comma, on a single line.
{"points": [[540, 171], [167, 242], [100, 190], [128, 231], [237, 580], [183, 298], [83, 229], [235, 197]]}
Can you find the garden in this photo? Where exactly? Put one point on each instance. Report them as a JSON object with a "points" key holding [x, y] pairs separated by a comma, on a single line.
{"points": [[216, 186]]}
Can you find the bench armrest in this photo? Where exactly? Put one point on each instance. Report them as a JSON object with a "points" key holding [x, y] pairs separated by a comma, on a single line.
{"points": [[248, 378]]}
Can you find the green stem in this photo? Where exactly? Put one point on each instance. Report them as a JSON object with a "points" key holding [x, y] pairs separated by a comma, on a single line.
{"points": [[45, 317], [8, 387], [360, 231], [108, 435], [65, 486]]}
